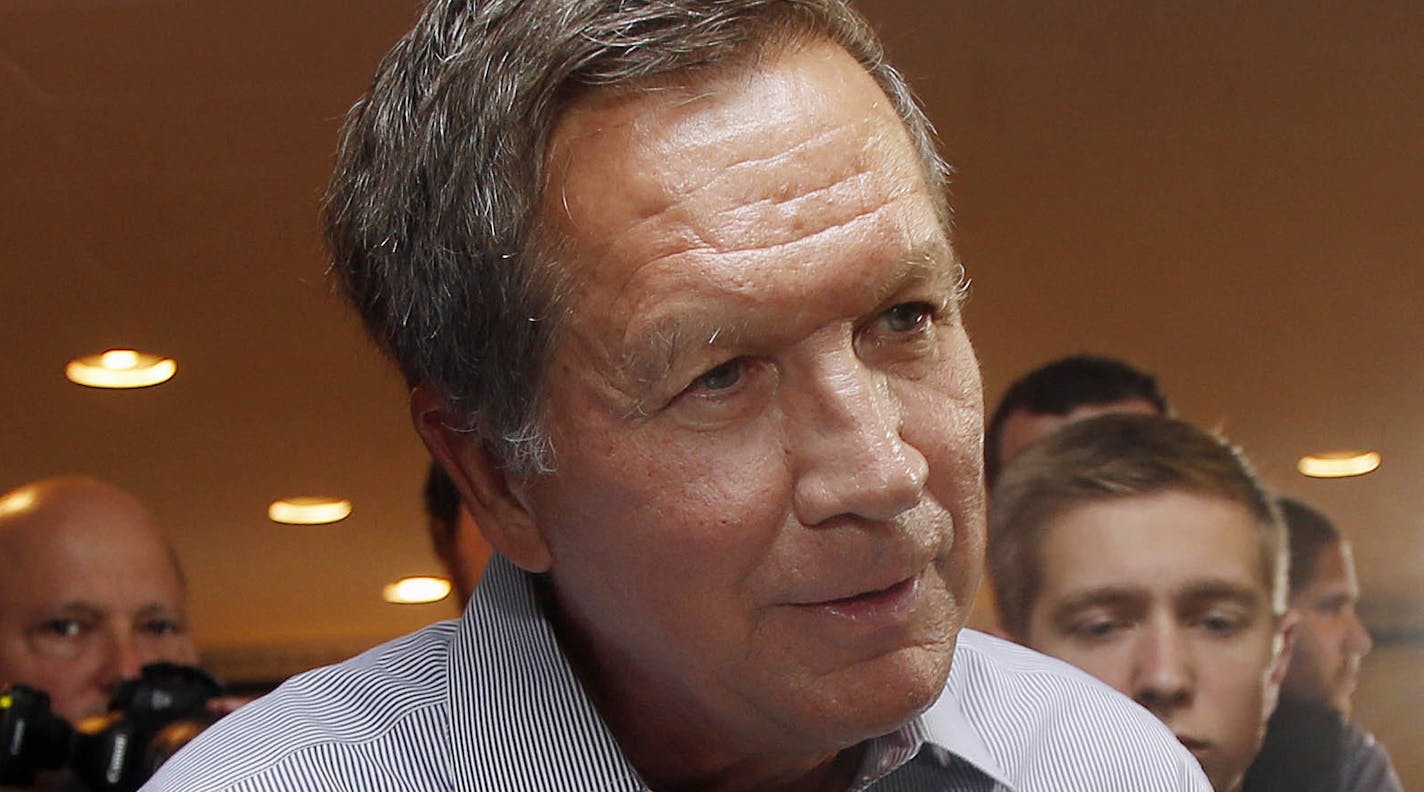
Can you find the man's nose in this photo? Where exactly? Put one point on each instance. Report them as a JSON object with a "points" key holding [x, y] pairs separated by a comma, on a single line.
{"points": [[1164, 670], [124, 659], [849, 453], [1360, 642]]}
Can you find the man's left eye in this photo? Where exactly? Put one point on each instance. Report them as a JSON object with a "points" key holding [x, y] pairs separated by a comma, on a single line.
{"points": [[1222, 624], [907, 317], [720, 378], [164, 627]]}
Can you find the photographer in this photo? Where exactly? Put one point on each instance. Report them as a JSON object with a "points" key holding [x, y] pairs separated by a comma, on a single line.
{"points": [[90, 593]]}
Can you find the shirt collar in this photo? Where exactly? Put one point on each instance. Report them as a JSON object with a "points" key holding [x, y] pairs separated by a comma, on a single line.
{"points": [[531, 719], [943, 730], [517, 709], [946, 727]]}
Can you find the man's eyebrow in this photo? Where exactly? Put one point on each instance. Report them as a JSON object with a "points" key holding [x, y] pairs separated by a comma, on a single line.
{"points": [[649, 356], [1208, 592], [933, 261], [72, 608], [1120, 597]]}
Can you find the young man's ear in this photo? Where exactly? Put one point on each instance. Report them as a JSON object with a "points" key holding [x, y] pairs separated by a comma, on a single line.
{"points": [[1280, 663], [484, 486]]}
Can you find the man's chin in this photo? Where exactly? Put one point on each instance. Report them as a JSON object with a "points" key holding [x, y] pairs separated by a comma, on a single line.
{"points": [[879, 695]]}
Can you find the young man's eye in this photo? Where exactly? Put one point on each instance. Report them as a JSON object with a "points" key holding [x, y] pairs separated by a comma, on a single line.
{"points": [[1097, 629], [1222, 624]]}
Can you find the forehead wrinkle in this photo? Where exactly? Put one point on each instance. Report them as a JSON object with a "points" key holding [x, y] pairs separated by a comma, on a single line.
{"points": [[669, 201]]}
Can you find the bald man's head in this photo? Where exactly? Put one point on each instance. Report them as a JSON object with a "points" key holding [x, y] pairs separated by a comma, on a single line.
{"points": [[90, 592]]}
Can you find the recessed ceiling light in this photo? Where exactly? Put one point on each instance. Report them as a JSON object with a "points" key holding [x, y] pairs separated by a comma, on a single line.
{"points": [[121, 368], [309, 510], [415, 590], [1338, 464]]}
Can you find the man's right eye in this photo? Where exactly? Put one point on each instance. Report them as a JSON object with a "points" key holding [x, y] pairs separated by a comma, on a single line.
{"points": [[61, 628], [719, 378], [1097, 629]]}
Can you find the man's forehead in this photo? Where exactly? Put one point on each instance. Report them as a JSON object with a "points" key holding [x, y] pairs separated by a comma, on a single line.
{"points": [[1157, 540], [680, 157]]}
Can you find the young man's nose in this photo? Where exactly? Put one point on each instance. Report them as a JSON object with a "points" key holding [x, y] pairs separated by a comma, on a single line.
{"points": [[1164, 671]]}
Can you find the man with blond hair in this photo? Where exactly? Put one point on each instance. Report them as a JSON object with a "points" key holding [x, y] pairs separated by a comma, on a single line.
{"points": [[1143, 550]]}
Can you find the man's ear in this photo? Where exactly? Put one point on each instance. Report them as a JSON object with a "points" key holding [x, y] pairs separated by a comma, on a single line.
{"points": [[1284, 644], [1285, 632], [484, 486]]}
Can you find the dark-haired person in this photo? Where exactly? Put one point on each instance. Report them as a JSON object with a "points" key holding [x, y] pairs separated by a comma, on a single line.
{"points": [[1143, 550], [672, 283], [454, 537], [1310, 742], [1061, 391], [1048, 398]]}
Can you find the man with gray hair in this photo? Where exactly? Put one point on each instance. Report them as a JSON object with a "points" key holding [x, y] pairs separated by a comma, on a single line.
{"points": [[673, 286]]}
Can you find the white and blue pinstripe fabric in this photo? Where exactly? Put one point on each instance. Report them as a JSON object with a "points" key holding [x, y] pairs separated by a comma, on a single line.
{"points": [[490, 703]]}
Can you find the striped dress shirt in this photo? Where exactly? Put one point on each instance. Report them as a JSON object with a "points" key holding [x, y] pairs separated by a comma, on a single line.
{"points": [[489, 702]]}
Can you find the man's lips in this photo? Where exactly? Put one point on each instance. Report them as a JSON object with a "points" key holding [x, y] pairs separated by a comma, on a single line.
{"points": [[898, 597]]}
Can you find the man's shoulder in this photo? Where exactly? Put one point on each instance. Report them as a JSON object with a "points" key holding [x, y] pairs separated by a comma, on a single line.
{"points": [[1051, 726], [379, 709], [1365, 764]]}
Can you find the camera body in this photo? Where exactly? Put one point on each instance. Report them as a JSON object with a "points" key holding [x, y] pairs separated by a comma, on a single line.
{"points": [[149, 719]]}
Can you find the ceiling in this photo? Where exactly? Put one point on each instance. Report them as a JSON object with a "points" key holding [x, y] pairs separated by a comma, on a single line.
{"points": [[1226, 194]]}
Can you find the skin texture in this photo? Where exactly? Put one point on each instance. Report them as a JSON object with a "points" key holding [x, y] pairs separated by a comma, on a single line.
{"points": [[463, 552], [1330, 640], [89, 593], [1162, 597], [766, 524], [1022, 427]]}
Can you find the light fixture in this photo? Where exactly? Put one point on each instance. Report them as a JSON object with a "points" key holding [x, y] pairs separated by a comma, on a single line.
{"points": [[1338, 464], [121, 368], [416, 590], [309, 510]]}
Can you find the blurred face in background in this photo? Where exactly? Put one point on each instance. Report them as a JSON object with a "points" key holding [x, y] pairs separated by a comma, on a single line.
{"points": [[1023, 427], [1330, 640], [1163, 597], [89, 594]]}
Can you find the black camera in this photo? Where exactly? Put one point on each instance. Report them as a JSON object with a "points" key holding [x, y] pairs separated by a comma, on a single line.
{"points": [[149, 719]]}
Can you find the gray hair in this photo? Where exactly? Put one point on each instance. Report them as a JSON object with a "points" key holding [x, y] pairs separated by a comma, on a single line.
{"points": [[432, 214]]}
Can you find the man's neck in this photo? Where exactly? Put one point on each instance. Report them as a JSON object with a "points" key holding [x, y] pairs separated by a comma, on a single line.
{"points": [[672, 746]]}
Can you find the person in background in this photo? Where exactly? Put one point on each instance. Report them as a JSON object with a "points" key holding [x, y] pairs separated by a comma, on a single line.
{"points": [[672, 284], [1061, 391], [1047, 398], [90, 592], [1310, 743], [1143, 550], [455, 538]]}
